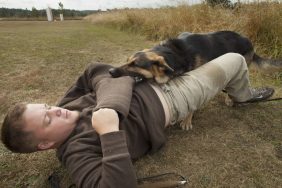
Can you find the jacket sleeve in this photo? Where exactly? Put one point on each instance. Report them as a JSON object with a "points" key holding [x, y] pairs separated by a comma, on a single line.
{"points": [[114, 93], [89, 166], [111, 168], [83, 85], [116, 162]]}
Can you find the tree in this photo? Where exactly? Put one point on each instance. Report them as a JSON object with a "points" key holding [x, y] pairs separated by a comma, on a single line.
{"points": [[224, 3], [34, 12], [61, 7]]}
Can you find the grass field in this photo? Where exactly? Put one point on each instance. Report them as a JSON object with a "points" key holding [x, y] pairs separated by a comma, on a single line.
{"points": [[260, 21], [228, 147]]}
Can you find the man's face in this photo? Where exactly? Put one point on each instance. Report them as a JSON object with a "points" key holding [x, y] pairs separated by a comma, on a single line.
{"points": [[51, 125]]}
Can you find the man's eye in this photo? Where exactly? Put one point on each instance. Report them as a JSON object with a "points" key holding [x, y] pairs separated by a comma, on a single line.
{"points": [[47, 107], [48, 120]]}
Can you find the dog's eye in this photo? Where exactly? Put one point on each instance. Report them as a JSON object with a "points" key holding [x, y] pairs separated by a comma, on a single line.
{"points": [[146, 64], [156, 63], [142, 63], [132, 64]]}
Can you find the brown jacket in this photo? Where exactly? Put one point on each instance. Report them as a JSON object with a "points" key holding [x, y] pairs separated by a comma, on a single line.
{"points": [[106, 161]]}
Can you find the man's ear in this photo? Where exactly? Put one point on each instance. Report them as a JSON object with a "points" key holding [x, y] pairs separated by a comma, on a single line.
{"points": [[45, 145]]}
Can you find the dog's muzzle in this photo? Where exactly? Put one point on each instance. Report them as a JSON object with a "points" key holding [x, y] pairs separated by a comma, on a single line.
{"points": [[118, 72]]}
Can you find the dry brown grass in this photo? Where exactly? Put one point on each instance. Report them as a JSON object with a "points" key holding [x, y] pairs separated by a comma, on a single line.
{"points": [[38, 62], [261, 22], [228, 147]]}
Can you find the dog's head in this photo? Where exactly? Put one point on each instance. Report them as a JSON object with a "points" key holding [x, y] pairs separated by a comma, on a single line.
{"points": [[145, 64]]}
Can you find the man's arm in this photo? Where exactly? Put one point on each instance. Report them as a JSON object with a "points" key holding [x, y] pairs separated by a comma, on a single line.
{"points": [[116, 160], [111, 167], [83, 85], [114, 93]]}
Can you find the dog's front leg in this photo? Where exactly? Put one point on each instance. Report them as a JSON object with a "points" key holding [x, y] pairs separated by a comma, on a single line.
{"points": [[186, 123], [228, 101]]}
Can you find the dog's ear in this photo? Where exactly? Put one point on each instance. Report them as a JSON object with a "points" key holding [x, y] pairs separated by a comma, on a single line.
{"points": [[145, 50], [175, 44], [163, 63], [137, 55], [131, 59]]}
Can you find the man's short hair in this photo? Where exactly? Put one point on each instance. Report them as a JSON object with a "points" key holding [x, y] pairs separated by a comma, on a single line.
{"points": [[13, 135]]}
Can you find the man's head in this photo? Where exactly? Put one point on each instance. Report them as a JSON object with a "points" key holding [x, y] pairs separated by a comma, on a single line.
{"points": [[34, 127]]}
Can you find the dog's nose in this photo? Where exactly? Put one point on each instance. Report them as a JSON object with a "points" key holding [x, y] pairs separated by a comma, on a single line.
{"points": [[114, 72]]}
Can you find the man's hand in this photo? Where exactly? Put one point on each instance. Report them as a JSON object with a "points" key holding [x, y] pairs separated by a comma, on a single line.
{"points": [[105, 120]]}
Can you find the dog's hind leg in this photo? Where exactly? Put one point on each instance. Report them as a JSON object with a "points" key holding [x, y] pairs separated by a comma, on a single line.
{"points": [[228, 101], [186, 123]]}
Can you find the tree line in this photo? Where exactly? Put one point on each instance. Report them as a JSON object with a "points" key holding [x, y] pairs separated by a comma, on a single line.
{"points": [[34, 13]]}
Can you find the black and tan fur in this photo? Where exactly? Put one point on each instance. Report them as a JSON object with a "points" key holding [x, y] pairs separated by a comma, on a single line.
{"points": [[185, 53]]}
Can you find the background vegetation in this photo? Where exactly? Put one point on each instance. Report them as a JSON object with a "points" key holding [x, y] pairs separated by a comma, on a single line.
{"points": [[35, 14], [261, 22]]}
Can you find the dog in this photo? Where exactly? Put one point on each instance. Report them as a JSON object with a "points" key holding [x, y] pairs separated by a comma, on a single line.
{"points": [[188, 51]]}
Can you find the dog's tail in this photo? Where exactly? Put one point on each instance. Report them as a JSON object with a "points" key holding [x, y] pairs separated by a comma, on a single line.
{"points": [[265, 63]]}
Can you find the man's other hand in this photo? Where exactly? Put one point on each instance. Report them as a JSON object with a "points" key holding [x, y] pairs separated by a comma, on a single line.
{"points": [[105, 120]]}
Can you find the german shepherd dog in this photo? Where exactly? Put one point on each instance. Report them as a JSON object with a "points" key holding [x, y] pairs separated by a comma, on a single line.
{"points": [[186, 52]]}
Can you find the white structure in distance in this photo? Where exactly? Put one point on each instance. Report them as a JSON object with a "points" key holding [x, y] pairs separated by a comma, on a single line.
{"points": [[61, 17], [49, 14]]}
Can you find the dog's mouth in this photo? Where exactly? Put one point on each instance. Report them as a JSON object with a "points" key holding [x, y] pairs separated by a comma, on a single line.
{"points": [[118, 72]]}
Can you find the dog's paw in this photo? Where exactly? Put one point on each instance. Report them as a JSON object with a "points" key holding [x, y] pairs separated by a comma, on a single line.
{"points": [[186, 126], [228, 101], [186, 123]]}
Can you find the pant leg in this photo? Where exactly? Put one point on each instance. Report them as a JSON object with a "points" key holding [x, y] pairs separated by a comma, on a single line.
{"points": [[229, 72], [190, 91]]}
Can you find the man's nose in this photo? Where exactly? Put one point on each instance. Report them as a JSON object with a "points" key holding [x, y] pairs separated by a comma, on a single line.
{"points": [[55, 111], [58, 112]]}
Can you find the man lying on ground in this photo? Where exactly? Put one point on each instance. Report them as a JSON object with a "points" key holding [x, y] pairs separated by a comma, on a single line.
{"points": [[103, 123]]}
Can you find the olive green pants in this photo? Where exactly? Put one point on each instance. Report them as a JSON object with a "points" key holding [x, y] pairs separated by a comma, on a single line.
{"points": [[187, 93]]}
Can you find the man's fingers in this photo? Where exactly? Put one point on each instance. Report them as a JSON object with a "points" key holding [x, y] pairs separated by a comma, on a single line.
{"points": [[105, 120]]}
